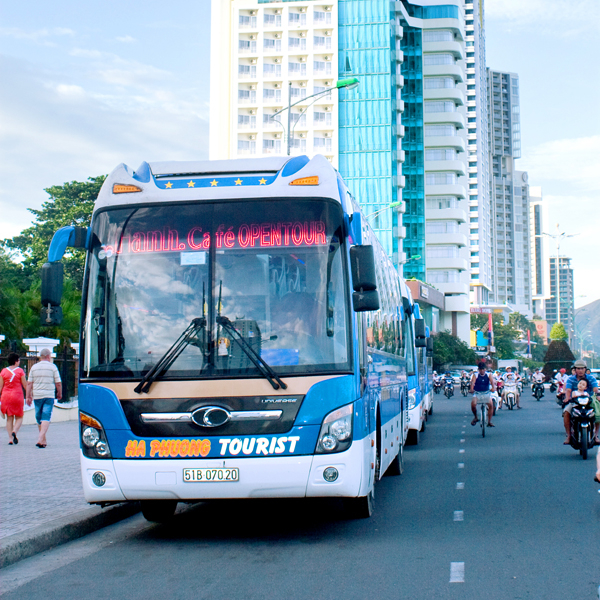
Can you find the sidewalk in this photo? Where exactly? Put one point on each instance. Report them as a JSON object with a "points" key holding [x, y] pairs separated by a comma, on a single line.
{"points": [[41, 498]]}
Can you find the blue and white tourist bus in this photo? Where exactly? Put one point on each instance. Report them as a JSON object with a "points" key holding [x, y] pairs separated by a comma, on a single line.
{"points": [[244, 335]]}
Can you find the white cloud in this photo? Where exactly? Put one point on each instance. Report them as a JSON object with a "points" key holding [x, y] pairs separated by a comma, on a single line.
{"points": [[38, 35], [56, 129], [126, 39]]}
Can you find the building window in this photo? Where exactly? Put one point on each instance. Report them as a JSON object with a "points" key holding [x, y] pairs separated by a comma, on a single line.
{"points": [[272, 146], [439, 106], [442, 252], [440, 154], [437, 83], [272, 20], [443, 277], [246, 147], [435, 227], [440, 130], [440, 178], [271, 70], [439, 59], [438, 35], [441, 202]]}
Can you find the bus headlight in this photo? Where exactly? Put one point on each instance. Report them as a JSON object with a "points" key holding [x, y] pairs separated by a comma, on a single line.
{"points": [[93, 439], [412, 399], [336, 431]]}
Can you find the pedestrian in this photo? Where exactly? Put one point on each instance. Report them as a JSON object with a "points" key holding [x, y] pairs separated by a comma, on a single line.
{"points": [[43, 379], [12, 384]]}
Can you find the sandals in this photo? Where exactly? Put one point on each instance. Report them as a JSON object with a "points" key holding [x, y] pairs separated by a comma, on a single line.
{"points": [[491, 425], [15, 438], [41, 445], [475, 421]]}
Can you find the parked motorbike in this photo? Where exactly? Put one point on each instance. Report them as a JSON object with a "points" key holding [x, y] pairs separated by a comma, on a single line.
{"points": [[510, 396], [538, 391], [583, 419], [437, 387], [448, 389]]}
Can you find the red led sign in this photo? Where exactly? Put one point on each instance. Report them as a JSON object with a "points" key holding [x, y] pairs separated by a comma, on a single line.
{"points": [[247, 235]]}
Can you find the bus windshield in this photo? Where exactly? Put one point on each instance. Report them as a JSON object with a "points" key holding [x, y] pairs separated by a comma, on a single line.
{"points": [[274, 268]]}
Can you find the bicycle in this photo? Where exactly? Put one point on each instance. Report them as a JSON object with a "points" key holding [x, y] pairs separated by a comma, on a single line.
{"points": [[483, 399]]}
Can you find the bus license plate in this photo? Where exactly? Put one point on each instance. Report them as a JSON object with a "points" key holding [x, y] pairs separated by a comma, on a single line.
{"points": [[210, 475]]}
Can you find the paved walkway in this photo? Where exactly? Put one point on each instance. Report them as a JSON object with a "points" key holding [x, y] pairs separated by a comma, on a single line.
{"points": [[39, 485]]}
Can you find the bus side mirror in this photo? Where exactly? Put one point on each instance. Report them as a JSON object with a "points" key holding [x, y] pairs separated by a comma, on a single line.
{"points": [[429, 346], [364, 282], [52, 288], [420, 333]]}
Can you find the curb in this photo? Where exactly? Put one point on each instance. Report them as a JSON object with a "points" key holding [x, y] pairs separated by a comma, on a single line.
{"points": [[39, 539]]}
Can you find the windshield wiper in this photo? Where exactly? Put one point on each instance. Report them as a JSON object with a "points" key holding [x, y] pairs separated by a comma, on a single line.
{"points": [[255, 358], [171, 355]]}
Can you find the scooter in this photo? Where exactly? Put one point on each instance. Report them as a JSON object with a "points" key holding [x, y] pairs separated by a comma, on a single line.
{"points": [[583, 419], [448, 389], [553, 386], [437, 387], [510, 396], [464, 387], [538, 391]]}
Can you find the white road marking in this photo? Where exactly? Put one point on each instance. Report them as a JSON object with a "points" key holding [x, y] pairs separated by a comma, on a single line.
{"points": [[461, 451], [460, 485], [457, 572], [461, 465], [462, 440], [459, 515]]}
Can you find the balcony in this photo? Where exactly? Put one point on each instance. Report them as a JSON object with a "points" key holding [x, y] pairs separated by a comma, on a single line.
{"points": [[454, 166], [441, 70], [453, 118], [447, 239], [445, 141], [451, 46], [400, 105], [446, 190], [445, 94], [458, 263], [456, 303], [446, 214]]}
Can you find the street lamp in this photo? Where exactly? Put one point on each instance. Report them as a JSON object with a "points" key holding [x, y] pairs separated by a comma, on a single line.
{"points": [[413, 257], [558, 237], [350, 84]]}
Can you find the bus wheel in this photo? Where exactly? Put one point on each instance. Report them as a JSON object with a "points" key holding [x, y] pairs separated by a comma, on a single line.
{"points": [[158, 511], [361, 507], [397, 465], [412, 437]]}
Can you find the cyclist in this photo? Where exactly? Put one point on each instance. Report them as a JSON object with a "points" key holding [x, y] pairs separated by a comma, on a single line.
{"points": [[481, 385]]}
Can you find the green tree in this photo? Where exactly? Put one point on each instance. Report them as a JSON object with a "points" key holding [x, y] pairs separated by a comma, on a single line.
{"points": [[449, 349], [69, 204], [559, 356], [558, 332]]}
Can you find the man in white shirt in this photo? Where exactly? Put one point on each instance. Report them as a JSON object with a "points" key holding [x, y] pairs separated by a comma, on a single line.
{"points": [[43, 380]]}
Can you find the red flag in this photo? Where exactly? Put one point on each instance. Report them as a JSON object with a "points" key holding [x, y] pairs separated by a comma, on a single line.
{"points": [[490, 330]]}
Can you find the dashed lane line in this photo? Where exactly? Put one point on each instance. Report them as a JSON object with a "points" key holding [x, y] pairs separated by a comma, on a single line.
{"points": [[461, 465], [459, 515], [460, 485], [457, 572]]}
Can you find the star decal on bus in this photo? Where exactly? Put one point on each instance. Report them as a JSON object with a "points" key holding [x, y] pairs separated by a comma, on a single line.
{"points": [[262, 181], [213, 183], [238, 182], [191, 183], [168, 185]]}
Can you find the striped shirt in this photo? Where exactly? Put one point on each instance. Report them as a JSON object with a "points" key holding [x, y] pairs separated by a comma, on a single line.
{"points": [[44, 375]]}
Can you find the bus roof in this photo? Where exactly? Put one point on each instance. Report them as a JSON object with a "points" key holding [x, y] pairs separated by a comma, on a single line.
{"points": [[184, 181]]}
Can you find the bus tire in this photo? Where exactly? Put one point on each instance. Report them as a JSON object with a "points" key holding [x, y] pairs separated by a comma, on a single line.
{"points": [[158, 511], [412, 437], [431, 409], [361, 507], [396, 466]]}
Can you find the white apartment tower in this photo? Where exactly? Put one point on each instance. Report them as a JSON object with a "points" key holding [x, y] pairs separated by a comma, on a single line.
{"points": [[539, 252], [264, 56]]}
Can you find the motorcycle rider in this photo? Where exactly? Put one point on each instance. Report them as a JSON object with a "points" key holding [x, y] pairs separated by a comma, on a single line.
{"points": [[481, 383], [571, 385], [510, 385], [537, 379]]}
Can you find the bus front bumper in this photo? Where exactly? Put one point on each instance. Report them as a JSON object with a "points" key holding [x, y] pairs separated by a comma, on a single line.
{"points": [[268, 477]]}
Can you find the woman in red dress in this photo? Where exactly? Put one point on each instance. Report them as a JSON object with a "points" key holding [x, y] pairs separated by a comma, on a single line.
{"points": [[12, 384]]}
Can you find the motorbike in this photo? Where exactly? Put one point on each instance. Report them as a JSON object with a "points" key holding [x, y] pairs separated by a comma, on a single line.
{"points": [[510, 396], [561, 396], [553, 387], [520, 386], [437, 387], [464, 387], [538, 391], [449, 389], [583, 419]]}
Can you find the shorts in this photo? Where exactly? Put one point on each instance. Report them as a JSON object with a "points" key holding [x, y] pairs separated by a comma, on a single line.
{"points": [[43, 409], [482, 397]]}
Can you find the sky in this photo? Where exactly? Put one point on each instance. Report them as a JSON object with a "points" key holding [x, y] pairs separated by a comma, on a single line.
{"points": [[86, 86]]}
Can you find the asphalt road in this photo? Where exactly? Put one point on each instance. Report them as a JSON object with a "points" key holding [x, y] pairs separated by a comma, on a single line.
{"points": [[515, 515]]}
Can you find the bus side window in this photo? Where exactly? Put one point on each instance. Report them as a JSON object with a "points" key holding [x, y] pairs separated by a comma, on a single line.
{"points": [[410, 346]]}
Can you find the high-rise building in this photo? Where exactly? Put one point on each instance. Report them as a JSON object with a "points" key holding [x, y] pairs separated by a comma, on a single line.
{"points": [[561, 290], [540, 263], [480, 213], [399, 138], [510, 196]]}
